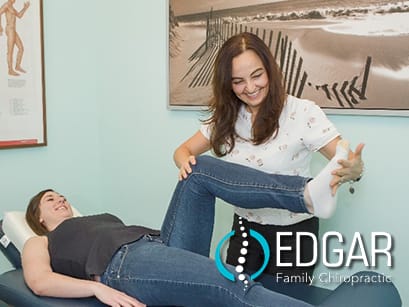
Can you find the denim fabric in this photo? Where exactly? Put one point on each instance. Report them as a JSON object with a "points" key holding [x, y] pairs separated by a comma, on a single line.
{"points": [[159, 275], [178, 271], [189, 220]]}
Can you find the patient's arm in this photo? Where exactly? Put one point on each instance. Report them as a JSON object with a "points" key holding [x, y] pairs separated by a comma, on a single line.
{"points": [[43, 281]]}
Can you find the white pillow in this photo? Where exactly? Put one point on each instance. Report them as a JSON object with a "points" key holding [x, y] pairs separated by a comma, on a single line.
{"points": [[16, 229]]}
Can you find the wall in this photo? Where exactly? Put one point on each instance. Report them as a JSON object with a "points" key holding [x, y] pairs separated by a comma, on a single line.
{"points": [[70, 163], [111, 136], [379, 203]]}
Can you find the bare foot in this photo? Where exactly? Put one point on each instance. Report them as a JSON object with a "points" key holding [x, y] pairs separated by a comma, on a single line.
{"points": [[13, 73], [20, 69]]}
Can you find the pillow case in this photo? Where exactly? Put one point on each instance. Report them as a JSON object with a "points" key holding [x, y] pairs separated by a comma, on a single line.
{"points": [[16, 229]]}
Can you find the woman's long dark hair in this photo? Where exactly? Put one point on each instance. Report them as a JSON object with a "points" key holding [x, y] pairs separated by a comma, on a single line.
{"points": [[33, 213], [224, 106]]}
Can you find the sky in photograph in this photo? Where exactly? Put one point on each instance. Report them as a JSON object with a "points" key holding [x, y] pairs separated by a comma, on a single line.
{"points": [[185, 7]]}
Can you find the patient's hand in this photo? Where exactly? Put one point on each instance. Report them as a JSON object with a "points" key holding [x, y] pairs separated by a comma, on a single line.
{"points": [[113, 297]]}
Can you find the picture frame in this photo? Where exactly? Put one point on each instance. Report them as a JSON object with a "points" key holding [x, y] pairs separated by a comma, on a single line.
{"points": [[327, 53], [22, 81]]}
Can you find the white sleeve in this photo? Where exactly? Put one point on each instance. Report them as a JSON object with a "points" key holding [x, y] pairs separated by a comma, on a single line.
{"points": [[205, 130], [319, 130]]}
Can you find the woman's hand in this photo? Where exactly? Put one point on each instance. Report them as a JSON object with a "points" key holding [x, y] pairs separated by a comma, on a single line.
{"points": [[351, 169], [115, 298], [185, 167], [184, 155]]}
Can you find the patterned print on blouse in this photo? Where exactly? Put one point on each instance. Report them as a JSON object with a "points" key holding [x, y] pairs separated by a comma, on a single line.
{"points": [[326, 130], [304, 128], [311, 121]]}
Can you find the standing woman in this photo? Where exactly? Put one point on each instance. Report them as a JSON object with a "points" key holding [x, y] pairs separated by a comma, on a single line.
{"points": [[253, 122]]}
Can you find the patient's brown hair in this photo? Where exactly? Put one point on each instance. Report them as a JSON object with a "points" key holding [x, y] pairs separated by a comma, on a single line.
{"points": [[33, 213]]}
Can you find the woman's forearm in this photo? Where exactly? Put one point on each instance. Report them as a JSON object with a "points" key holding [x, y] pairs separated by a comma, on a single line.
{"points": [[58, 285], [194, 146], [62, 286], [181, 155]]}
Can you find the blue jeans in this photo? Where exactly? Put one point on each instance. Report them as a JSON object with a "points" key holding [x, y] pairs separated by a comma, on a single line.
{"points": [[189, 220], [175, 269], [161, 275]]}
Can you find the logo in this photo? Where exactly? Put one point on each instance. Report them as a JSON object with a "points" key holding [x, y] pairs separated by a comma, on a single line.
{"points": [[242, 259], [381, 246]]}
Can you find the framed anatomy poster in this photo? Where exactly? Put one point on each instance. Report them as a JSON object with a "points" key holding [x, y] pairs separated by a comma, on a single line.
{"points": [[22, 99]]}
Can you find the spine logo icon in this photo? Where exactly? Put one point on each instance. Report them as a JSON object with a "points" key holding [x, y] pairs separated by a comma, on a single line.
{"points": [[242, 259]]}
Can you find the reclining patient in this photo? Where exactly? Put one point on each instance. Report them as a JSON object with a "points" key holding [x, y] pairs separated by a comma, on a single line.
{"points": [[132, 265]]}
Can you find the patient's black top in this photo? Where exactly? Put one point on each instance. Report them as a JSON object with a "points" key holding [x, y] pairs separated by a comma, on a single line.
{"points": [[83, 246]]}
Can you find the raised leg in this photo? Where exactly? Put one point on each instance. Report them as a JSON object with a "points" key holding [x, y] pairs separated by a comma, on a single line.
{"points": [[190, 217]]}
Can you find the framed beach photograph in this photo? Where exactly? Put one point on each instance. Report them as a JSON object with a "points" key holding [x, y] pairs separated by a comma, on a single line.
{"points": [[22, 92], [349, 57]]}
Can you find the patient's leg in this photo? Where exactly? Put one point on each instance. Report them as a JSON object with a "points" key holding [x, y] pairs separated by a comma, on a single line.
{"points": [[166, 276], [190, 217]]}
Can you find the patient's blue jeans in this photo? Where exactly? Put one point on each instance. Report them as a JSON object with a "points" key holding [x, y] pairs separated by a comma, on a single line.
{"points": [[189, 220], [159, 275], [175, 269]]}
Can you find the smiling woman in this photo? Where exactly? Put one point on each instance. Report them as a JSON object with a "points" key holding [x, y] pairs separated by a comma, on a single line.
{"points": [[253, 122], [46, 210], [249, 80], [100, 256]]}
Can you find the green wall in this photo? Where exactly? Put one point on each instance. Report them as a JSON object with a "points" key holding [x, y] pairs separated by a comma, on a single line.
{"points": [[111, 136]]}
